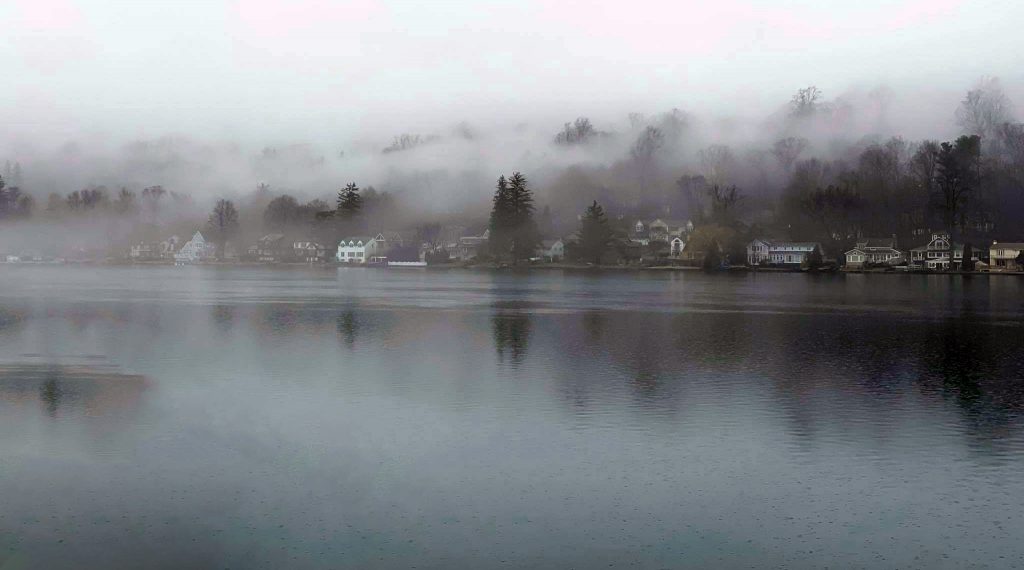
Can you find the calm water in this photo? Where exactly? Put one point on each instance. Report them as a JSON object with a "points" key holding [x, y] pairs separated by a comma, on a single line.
{"points": [[249, 418]]}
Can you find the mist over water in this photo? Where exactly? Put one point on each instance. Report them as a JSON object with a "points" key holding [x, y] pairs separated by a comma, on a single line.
{"points": [[311, 419]]}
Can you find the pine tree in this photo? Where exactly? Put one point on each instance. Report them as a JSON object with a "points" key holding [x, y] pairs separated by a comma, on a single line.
{"points": [[525, 236], [513, 229], [349, 202], [595, 233], [499, 243]]}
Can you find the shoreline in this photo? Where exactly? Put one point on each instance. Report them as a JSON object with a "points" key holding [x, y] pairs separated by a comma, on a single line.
{"points": [[516, 268]]}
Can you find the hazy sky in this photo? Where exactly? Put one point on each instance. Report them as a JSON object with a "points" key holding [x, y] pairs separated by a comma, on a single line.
{"points": [[310, 68]]}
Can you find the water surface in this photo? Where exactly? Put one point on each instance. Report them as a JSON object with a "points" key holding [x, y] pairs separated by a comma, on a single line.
{"points": [[321, 418]]}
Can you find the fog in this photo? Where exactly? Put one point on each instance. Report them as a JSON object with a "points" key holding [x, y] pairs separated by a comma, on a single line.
{"points": [[209, 99]]}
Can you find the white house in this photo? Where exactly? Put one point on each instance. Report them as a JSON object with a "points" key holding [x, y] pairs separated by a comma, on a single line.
{"points": [[676, 246], [552, 250], [362, 249], [762, 251], [874, 251], [1003, 255], [195, 249], [935, 254]]}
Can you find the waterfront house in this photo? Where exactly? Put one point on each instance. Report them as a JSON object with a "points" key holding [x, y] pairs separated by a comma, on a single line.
{"points": [[874, 251], [469, 247], [271, 247], [308, 251], [676, 246], [361, 249], [152, 250], [195, 249], [1003, 256], [935, 254], [785, 253], [552, 250]]}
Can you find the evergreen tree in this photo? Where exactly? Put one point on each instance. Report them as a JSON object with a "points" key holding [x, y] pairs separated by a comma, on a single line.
{"points": [[349, 201], [595, 233], [513, 229], [499, 222]]}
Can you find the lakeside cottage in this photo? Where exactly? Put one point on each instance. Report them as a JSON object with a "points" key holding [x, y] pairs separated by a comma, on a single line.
{"points": [[368, 249], [552, 249], [152, 251], [271, 247], [785, 253], [308, 251], [935, 254], [874, 251], [1003, 256], [195, 249]]}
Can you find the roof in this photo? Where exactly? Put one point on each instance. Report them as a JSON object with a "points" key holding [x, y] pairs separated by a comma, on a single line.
{"points": [[877, 242], [549, 242], [364, 239], [272, 237], [776, 243], [1007, 245]]}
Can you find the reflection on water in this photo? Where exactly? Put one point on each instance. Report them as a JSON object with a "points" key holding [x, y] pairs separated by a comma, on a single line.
{"points": [[367, 419], [510, 326], [79, 389]]}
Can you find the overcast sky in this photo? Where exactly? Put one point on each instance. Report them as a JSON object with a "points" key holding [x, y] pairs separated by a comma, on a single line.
{"points": [[316, 68]]}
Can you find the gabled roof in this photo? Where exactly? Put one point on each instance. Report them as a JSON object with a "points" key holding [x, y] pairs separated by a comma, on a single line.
{"points": [[357, 239], [1007, 245]]}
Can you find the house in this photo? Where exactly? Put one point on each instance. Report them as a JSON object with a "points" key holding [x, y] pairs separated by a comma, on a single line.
{"points": [[790, 253], [676, 246], [308, 251], [271, 247], [144, 251], [151, 250], [874, 251], [935, 254], [469, 247], [362, 249], [552, 250], [195, 249], [1003, 256], [662, 230]]}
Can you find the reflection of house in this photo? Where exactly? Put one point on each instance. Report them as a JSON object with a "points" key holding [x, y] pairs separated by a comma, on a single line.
{"points": [[1003, 255], [308, 251], [761, 252], [935, 254], [195, 249], [271, 247], [874, 251], [552, 249], [362, 249]]}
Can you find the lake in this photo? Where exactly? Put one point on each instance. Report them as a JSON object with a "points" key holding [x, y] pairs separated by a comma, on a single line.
{"points": [[201, 417]]}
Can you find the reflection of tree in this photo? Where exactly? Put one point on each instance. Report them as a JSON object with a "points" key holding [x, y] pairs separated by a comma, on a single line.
{"points": [[51, 393], [593, 326], [223, 317], [955, 354], [348, 327], [511, 335]]}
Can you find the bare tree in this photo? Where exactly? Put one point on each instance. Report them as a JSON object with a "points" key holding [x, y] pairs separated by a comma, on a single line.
{"points": [[805, 102], [223, 223], [578, 132], [718, 162], [644, 153], [984, 109], [787, 151]]}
